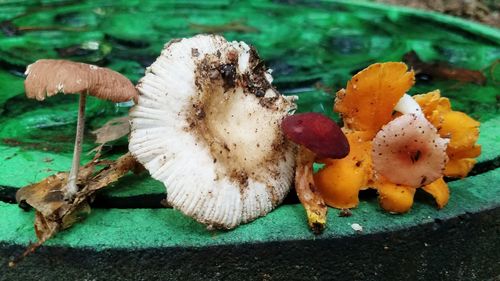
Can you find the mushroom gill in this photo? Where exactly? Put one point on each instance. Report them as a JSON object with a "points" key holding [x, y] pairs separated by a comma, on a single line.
{"points": [[207, 124], [409, 151]]}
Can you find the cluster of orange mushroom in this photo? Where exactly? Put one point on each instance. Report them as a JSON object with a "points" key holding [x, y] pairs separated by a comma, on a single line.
{"points": [[397, 143]]}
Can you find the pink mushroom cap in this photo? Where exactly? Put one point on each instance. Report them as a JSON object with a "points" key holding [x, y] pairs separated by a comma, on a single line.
{"points": [[317, 133], [409, 151]]}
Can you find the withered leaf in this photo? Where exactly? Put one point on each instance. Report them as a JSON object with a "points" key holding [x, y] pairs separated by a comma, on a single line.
{"points": [[53, 213], [441, 70], [236, 26], [46, 196], [114, 129]]}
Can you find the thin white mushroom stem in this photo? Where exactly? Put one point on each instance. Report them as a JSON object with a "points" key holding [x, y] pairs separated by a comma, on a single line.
{"points": [[306, 190], [71, 188]]}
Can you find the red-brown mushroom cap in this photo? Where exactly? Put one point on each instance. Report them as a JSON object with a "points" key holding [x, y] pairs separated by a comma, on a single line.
{"points": [[317, 133], [48, 77]]}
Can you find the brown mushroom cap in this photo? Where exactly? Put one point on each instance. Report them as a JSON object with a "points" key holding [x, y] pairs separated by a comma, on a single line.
{"points": [[48, 77]]}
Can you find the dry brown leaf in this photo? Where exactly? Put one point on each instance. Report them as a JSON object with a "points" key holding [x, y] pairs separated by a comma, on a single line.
{"points": [[46, 196], [114, 129], [441, 70], [53, 213], [235, 26]]}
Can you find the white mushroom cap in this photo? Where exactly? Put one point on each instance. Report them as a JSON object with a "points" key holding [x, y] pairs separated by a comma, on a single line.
{"points": [[207, 124]]}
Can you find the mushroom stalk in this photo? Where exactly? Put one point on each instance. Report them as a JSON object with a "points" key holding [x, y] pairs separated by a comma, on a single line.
{"points": [[306, 190], [71, 188]]}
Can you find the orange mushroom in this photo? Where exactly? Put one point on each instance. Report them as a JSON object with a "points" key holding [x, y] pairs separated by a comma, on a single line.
{"points": [[462, 130], [408, 151]]}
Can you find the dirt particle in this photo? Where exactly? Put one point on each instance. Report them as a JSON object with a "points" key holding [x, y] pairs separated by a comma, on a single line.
{"points": [[228, 73], [194, 52], [424, 179], [345, 213], [241, 177], [232, 56], [200, 113]]}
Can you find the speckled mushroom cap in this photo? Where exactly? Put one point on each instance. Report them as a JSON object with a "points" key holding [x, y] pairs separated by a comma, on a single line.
{"points": [[207, 124], [46, 78], [409, 151]]}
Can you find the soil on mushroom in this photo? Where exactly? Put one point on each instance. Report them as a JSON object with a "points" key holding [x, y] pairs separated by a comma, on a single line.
{"points": [[219, 121]]}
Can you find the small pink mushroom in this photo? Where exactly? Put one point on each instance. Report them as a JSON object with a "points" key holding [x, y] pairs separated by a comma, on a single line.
{"points": [[318, 137], [409, 151]]}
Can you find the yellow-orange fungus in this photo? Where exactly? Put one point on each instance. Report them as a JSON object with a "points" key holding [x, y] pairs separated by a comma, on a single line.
{"points": [[459, 168], [463, 130], [340, 180], [370, 96], [439, 190], [395, 198], [367, 108]]}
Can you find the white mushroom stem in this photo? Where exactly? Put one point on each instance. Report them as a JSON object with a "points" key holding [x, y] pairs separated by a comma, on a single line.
{"points": [[71, 188], [306, 190], [407, 105]]}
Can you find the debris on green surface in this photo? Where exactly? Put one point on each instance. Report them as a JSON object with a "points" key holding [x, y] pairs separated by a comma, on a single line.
{"points": [[54, 213]]}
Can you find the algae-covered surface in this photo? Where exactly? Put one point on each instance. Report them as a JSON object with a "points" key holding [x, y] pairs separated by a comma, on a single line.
{"points": [[313, 50]]}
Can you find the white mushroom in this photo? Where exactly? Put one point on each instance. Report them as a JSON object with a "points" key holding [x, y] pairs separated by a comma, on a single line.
{"points": [[207, 124]]}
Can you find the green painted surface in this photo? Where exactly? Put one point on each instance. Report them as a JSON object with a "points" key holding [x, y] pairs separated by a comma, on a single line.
{"points": [[313, 49], [489, 138], [167, 227]]}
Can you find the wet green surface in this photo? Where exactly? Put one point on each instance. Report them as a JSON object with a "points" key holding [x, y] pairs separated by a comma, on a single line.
{"points": [[313, 49]]}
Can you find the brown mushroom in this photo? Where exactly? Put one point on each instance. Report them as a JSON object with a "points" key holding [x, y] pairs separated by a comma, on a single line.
{"points": [[46, 78], [318, 137]]}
